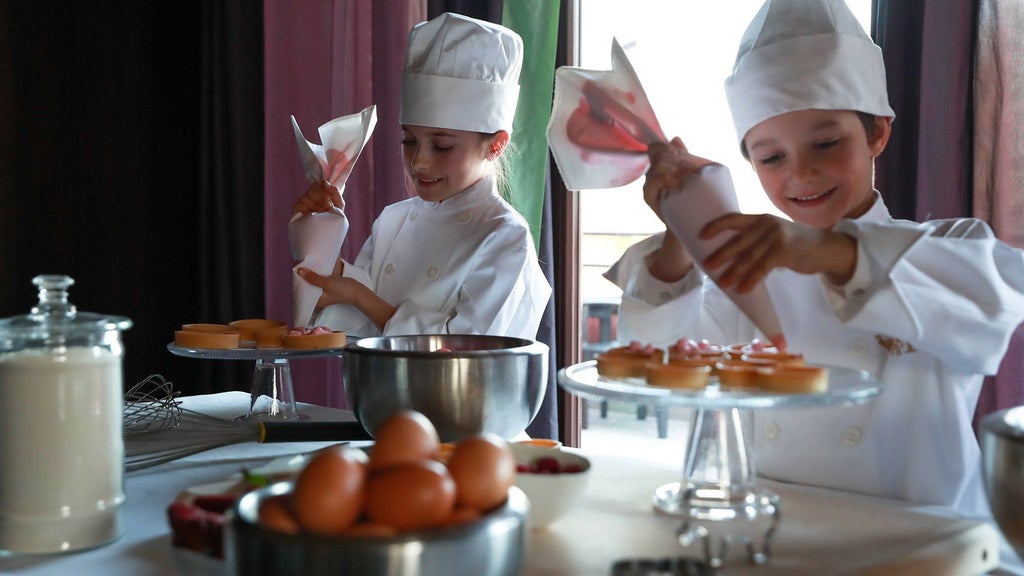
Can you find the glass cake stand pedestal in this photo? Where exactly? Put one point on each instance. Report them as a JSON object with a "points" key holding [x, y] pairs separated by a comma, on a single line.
{"points": [[718, 498], [272, 397]]}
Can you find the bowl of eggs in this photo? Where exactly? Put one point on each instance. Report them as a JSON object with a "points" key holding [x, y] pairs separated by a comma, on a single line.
{"points": [[463, 383], [400, 509], [554, 480]]}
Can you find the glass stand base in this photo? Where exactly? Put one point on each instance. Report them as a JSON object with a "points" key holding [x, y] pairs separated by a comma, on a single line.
{"points": [[272, 397]]}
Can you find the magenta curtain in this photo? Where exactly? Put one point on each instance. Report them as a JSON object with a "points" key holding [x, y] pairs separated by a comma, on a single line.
{"points": [[325, 59], [948, 61], [999, 161]]}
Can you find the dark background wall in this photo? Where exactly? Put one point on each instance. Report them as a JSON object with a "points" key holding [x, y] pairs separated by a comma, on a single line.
{"points": [[111, 130]]}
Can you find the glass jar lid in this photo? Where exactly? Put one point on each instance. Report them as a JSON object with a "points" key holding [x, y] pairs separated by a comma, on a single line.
{"points": [[55, 320]]}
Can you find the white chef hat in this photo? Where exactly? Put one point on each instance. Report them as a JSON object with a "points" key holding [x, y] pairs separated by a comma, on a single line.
{"points": [[802, 55], [462, 74]]}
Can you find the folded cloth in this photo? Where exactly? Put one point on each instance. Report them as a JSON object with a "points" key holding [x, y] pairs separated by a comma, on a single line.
{"points": [[601, 125], [316, 239]]}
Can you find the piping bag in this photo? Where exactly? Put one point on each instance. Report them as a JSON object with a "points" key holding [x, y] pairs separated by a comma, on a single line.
{"points": [[316, 238], [601, 125]]}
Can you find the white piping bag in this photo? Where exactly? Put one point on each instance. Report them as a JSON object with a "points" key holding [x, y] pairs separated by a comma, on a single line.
{"points": [[316, 239], [688, 209], [601, 125]]}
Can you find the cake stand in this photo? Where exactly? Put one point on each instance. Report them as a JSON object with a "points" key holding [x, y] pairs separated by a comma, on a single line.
{"points": [[272, 396], [718, 498]]}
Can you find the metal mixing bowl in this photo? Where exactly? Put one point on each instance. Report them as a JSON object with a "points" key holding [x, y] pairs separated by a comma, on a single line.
{"points": [[465, 384], [490, 546], [1002, 445]]}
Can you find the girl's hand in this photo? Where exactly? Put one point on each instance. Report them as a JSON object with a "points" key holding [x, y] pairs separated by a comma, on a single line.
{"points": [[763, 242], [319, 197], [671, 163], [344, 290], [337, 289]]}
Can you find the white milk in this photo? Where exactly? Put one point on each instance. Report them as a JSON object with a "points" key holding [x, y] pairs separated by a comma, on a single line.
{"points": [[61, 449]]}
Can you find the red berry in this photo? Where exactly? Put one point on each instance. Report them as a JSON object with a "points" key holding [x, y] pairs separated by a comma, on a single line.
{"points": [[572, 468], [546, 465], [219, 503]]}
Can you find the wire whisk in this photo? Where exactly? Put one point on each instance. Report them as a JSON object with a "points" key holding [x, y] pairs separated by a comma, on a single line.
{"points": [[151, 405]]}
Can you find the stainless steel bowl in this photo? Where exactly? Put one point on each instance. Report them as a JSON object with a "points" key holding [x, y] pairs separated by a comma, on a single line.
{"points": [[465, 384], [1002, 445], [490, 546]]}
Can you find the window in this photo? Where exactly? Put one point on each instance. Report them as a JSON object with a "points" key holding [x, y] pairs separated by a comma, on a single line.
{"points": [[682, 51]]}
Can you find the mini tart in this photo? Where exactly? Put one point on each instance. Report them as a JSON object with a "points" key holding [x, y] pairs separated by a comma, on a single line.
{"points": [[314, 341], [738, 375], [794, 379], [620, 366], [738, 350], [271, 337], [250, 327], [678, 375], [780, 358], [197, 339], [749, 363], [208, 328]]}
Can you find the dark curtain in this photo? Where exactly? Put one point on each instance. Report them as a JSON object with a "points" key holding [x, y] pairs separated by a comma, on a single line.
{"points": [[927, 170], [122, 127], [928, 45]]}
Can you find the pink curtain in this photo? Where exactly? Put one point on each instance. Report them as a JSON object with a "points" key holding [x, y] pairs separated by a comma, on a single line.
{"points": [[999, 161], [325, 59]]}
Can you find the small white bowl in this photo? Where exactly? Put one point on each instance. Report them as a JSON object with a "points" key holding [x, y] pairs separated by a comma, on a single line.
{"points": [[551, 495]]}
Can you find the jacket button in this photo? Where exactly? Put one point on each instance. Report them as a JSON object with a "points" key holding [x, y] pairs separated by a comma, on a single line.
{"points": [[432, 272], [464, 216], [852, 436], [413, 215], [771, 431], [389, 269]]}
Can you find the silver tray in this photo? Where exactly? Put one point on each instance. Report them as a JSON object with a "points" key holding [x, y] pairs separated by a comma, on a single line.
{"points": [[845, 386]]}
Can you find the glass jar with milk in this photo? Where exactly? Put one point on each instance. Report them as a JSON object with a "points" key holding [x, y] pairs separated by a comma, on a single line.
{"points": [[61, 445]]}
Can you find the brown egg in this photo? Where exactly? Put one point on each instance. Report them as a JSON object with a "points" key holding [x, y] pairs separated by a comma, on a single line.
{"points": [[461, 516], [406, 436], [368, 529], [410, 496], [329, 492], [483, 468], [275, 513]]}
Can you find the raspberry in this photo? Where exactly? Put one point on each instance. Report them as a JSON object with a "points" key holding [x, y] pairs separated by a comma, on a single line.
{"points": [[546, 465], [196, 529], [219, 503]]}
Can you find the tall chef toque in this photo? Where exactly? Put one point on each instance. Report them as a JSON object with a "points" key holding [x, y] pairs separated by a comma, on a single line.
{"points": [[461, 74], [802, 55]]}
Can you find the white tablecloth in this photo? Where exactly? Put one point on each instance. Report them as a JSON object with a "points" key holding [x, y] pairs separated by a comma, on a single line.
{"points": [[822, 532]]}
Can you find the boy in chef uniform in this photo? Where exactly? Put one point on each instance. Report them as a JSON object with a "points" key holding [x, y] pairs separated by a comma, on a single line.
{"points": [[928, 308], [456, 257]]}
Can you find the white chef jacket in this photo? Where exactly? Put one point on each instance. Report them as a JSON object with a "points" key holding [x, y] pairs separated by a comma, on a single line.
{"points": [[465, 265], [929, 310]]}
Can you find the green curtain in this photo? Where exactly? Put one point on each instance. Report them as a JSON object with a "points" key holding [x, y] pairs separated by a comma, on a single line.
{"points": [[537, 22]]}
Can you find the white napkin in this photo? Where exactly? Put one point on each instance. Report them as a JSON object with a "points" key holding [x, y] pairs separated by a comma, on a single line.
{"points": [[601, 124], [316, 239]]}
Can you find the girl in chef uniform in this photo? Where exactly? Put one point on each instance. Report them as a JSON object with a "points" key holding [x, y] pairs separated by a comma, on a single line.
{"points": [[928, 308], [455, 258]]}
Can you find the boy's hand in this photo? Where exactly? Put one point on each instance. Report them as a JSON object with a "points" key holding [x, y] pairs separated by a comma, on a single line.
{"points": [[319, 197], [763, 242], [671, 163]]}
